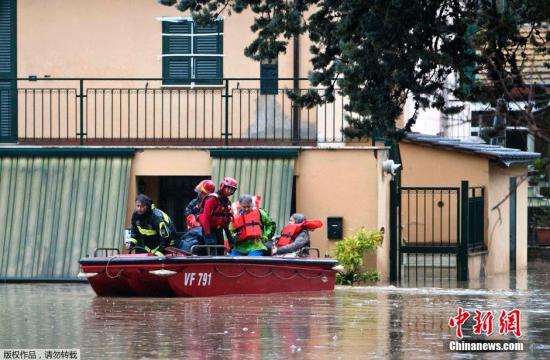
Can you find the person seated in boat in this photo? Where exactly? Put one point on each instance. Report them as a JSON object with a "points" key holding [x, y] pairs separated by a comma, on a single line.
{"points": [[192, 211], [215, 215], [193, 236], [152, 230], [251, 228], [294, 238]]}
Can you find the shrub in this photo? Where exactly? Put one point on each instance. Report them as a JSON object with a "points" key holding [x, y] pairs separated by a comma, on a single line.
{"points": [[350, 252]]}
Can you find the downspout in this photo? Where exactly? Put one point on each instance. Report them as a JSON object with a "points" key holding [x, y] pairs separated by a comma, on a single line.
{"points": [[296, 87]]}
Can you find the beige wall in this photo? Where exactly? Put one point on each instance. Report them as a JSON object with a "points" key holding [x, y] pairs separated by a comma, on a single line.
{"points": [[428, 166], [115, 38], [499, 219], [345, 183]]}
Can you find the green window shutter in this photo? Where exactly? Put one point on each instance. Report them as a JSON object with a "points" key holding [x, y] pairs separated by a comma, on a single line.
{"points": [[203, 40], [208, 69], [8, 90], [175, 69]]}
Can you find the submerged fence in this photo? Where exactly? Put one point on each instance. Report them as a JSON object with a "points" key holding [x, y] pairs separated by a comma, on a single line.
{"points": [[144, 112]]}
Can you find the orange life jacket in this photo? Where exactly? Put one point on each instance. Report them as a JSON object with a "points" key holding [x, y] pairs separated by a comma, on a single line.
{"points": [[291, 231], [248, 226]]}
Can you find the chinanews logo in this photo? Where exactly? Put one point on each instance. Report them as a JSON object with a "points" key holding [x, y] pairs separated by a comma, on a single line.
{"points": [[508, 322]]}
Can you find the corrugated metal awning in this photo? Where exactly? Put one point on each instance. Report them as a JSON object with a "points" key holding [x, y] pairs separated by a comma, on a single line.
{"points": [[56, 209], [271, 178]]}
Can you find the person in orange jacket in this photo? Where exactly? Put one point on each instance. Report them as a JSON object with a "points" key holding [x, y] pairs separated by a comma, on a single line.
{"points": [[252, 227], [294, 238]]}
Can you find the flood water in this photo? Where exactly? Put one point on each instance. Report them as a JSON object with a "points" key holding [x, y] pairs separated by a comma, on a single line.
{"points": [[350, 323]]}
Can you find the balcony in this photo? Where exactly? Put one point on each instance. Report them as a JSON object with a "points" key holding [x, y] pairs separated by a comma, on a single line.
{"points": [[143, 112]]}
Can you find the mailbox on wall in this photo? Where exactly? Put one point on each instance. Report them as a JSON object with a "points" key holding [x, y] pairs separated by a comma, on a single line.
{"points": [[335, 228]]}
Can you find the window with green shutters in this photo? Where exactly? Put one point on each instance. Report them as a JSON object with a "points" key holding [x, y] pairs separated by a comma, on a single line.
{"points": [[192, 53]]}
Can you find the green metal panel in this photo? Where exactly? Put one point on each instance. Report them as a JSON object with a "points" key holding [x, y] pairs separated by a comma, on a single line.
{"points": [[58, 209], [65, 152], [8, 70], [254, 153], [270, 178]]}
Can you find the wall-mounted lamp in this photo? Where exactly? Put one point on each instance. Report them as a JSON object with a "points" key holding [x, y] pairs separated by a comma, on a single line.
{"points": [[390, 167]]}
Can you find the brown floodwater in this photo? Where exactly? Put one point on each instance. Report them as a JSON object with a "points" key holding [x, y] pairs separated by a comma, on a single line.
{"points": [[375, 322]]}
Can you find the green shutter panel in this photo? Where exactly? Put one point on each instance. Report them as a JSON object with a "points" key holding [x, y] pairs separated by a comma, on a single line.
{"points": [[176, 70], [208, 70], [8, 91]]}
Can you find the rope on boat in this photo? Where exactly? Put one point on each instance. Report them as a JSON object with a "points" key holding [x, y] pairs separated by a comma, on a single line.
{"points": [[229, 276], [286, 278], [258, 276], [271, 272], [310, 277], [107, 269]]}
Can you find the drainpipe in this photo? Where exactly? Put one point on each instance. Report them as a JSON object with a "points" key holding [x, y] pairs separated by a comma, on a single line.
{"points": [[296, 87]]}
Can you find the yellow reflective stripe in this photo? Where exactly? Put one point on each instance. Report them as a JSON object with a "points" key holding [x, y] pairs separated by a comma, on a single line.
{"points": [[133, 241], [166, 217], [147, 248], [147, 232], [163, 230], [158, 253]]}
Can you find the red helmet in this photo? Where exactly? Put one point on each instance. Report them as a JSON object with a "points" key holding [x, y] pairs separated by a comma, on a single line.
{"points": [[205, 187], [228, 186]]}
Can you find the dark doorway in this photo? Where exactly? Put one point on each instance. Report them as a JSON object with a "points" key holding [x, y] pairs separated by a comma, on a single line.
{"points": [[171, 194], [175, 192]]}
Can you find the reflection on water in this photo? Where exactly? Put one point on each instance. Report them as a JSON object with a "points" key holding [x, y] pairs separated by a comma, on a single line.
{"points": [[350, 323]]}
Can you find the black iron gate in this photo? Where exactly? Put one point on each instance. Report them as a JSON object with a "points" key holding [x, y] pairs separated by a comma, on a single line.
{"points": [[433, 226]]}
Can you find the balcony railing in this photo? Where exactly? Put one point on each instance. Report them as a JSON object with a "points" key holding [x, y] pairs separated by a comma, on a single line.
{"points": [[142, 112]]}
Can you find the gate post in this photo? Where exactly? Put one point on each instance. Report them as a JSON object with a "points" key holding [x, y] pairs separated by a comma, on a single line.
{"points": [[394, 232], [462, 254]]}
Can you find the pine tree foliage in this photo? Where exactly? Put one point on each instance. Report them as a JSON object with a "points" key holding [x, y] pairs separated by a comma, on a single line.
{"points": [[379, 52]]}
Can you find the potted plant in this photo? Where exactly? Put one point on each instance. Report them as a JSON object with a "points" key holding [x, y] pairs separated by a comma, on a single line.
{"points": [[539, 221]]}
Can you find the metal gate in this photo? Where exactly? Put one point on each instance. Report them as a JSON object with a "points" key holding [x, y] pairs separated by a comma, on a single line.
{"points": [[432, 232], [433, 228]]}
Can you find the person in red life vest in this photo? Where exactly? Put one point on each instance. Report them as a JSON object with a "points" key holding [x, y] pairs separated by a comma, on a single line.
{"points": [[252, 227], [294, 238], [215, 215]]}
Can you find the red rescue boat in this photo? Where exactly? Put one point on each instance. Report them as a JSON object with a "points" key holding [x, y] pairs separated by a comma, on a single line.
{"points": [[191, 276]]}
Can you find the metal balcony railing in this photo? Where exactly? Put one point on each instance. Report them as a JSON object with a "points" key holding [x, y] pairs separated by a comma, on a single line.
{"points": [[143, 112]]}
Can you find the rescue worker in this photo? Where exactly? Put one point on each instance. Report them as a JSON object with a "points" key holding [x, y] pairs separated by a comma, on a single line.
{"points": [[252, 228], [215, 215], [294, 238], [192, 211], [152, 230], [194, 235]]}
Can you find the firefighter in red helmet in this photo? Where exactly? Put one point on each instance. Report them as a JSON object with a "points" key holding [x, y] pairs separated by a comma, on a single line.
{"points": [[192, 211], [215, 215]]}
